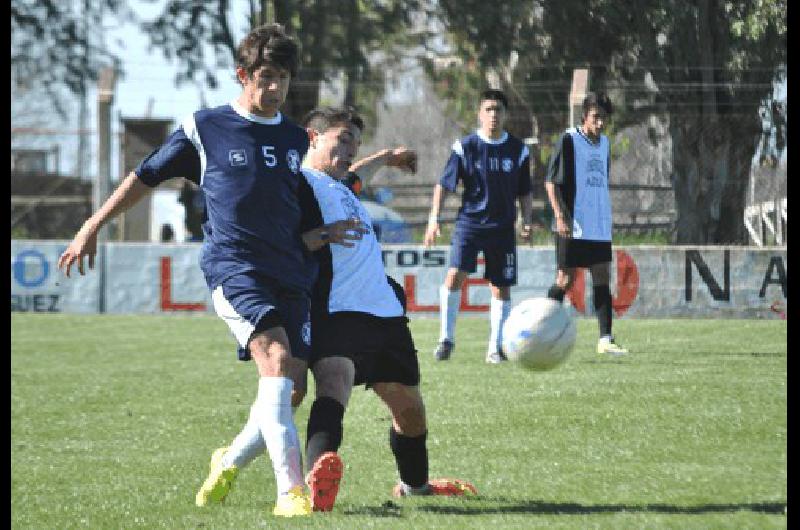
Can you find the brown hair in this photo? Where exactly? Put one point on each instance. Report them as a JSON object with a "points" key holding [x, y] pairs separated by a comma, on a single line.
{"points": [[268, 44]]}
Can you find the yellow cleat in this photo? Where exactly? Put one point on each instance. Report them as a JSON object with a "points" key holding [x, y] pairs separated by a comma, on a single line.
{"points": [[292, 503], [219, 481], [610, 347]]}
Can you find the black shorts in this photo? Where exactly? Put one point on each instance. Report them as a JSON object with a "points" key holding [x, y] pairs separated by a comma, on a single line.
{"points": [[572, 253], [381, 349]]}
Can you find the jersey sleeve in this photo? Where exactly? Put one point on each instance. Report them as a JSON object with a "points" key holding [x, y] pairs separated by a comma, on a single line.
{"points": [[557, 166], [311, 216], [177, 157], [524, 185], [454, 169]]}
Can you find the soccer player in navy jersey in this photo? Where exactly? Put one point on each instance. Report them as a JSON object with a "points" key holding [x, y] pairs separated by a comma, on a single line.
{"points": [[494, 167], [360, 333], [246, 157], [577, 188]]}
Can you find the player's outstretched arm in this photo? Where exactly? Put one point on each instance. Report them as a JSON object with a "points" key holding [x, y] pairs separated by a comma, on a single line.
{"points": [[338, 233], [400, 157], [432, 231], [85, 242]]}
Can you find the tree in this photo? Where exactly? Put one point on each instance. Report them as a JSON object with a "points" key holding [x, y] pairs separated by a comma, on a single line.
{"points": [[335, 36], [60, 44], [713, 62]]}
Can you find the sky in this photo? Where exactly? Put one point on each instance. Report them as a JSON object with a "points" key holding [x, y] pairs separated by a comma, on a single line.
{"points": [[149, 76]]}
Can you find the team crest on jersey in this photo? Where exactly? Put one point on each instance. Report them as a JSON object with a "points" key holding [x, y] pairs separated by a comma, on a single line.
{"points": [[306, 333], [508, 165], [237, 157], [293, 160]]}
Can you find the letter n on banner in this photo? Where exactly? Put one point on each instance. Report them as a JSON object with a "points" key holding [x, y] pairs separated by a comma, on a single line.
{"points": [[626, 290], [166, 291]]}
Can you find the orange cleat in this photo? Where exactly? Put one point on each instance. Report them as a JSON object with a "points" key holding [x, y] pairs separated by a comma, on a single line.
{"points": [[323, 481], [440, 486]]}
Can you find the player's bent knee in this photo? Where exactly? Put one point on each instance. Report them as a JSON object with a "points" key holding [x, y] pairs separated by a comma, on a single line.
{"points": [[333, 377]]}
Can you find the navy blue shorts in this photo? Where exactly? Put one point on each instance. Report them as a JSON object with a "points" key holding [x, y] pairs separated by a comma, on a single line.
{"points": [[499, 247], [250, 303]]}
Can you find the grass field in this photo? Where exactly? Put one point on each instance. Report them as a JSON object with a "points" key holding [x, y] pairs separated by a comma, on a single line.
{"points": [[113, 419]]}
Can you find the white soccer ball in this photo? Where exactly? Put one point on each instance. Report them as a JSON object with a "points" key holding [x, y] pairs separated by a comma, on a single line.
{"points": [[539, 334]]}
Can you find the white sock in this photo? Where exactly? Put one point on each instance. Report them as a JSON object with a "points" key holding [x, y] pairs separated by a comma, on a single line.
{"points": [[449, 302], [247, 445], [498, 313], [273, 412], [606, 338]]}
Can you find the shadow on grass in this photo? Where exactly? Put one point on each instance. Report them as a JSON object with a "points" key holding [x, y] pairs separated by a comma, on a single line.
{"points": [[387, 509], [569, 508]]}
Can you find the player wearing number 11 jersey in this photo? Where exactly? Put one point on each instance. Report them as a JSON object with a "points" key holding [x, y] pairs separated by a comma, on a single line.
{"points": [[494, 168]]}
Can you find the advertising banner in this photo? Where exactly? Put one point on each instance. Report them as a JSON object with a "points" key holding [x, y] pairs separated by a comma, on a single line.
{"points": [[646, 281]]}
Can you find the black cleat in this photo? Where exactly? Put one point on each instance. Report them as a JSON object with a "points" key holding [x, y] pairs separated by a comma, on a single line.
{"points": [[443, 350]]}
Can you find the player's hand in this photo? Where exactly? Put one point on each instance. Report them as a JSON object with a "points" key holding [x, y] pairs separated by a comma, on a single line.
{"points": [[84, 245], [527, 231], [402, 158], [562, 227], [431, 233], [345, 231]]}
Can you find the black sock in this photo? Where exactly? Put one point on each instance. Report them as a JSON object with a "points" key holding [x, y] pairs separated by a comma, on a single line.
{"points": [[556, 293], [602, 306], [411, 455], [324, 431]]}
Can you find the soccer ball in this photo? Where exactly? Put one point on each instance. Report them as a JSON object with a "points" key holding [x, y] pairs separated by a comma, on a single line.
{"points": [[539, 334]]}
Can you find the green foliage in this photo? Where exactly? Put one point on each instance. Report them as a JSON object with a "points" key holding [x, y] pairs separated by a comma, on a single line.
{"points": [[59, 44], [708, 65], [688, 431]]}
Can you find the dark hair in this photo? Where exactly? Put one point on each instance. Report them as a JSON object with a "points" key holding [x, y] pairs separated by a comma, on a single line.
{"points": [[268, 44], [494, 95], [322, 119], [599, 100]]}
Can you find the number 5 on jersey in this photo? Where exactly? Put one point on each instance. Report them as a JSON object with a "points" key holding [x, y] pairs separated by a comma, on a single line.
{"points": [[269, 155]]}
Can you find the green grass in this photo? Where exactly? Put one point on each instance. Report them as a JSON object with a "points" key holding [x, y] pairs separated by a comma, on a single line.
{"points": [[114, 419], [543, 236]]}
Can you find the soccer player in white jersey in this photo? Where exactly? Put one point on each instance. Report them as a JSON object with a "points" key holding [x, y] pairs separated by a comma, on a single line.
{"points": [[246, 158], [577, 188], [494, 167]]}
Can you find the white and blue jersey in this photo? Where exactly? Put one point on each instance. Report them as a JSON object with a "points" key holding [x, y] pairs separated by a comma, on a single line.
{"points": [[494, 173], [248, 168], [350, 278], [580, 168]]}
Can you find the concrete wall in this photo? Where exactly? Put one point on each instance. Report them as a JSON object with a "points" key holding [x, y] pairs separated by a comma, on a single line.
{"points": [[707, 282]]}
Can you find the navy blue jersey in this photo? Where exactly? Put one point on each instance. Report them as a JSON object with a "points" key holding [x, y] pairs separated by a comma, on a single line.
{"points": [[494, 173], [249, 170]]}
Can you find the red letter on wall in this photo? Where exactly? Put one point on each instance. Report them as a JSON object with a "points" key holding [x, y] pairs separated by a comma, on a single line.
{"points": [[626, 290], [166, 291], [410, 285]]}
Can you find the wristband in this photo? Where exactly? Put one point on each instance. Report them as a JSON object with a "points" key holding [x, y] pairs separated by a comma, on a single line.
{"points": [[324, 236]]}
